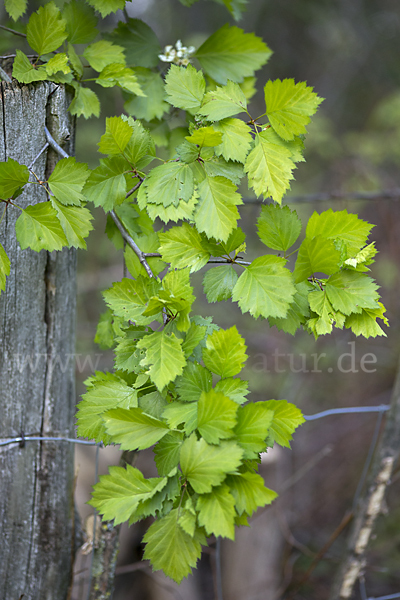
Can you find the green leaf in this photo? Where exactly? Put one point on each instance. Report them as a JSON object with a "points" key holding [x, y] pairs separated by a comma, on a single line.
{"points": [[139, 41], [15, 8], [153, 105], [289, 106], [216, 213], [249, 492], [287, 417], [235, 389], [219, 282], [297, 313], [194, 380], [278, 227], [169, 184], [178, 413], [170, 548], [265, 288], [80, 22], [223, 102], [167, 452], [205, 136], [269, 166], [339, 225], [105, 7], [117, 495], [103, 53], [106, 185], [99, 398], [216, 416], [75, 221], [12, 176], [236, 141], [153, 404], [117, 135], [229, 53], [217, 512], [349, 292], [362, 258], [127, 355], [39, 228], [140, 146], [320, 304], [194, 336], [217, 166], [4, 268], [133, 429], [46, 29], [85, 103], [183, 247], [316, 255], [118, 74], [161, 502], [206, 466], [67, 181], [185, 87], [172, 213], [75, 62], [365, 323], [59, 62], [105, 332], [24, 72], [225, 352], [251, 431], [147, 243], [128, 298], [165, 356]]}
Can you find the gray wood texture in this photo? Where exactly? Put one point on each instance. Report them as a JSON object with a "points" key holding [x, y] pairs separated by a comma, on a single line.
{"points": [[37, 394]]}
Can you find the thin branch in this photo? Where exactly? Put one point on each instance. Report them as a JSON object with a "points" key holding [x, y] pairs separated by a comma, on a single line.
{"points": [[393, 194], [52, 142], [40, 153], [131, 242], [228, 261], [133, 190], [4, 76], [13, 31]]}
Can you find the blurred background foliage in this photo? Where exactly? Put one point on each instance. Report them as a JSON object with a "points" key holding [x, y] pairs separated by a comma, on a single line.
{"points": [[348, 51]]}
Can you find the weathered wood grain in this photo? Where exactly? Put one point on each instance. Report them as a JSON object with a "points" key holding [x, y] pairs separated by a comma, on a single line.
{"points": [[37, 396]]}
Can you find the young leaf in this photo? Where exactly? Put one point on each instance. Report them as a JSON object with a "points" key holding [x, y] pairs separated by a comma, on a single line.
{"points": [[289, 106], [219, 282], [117, 135], [4, 268], [206, 466], [298, 311], [120, 75], [152, 105], [133, 429], [216, 213], [229, 53], [127, 355], [85, 103], [265, 288], [39, 228], [185, 87], [183, 247], [117, 495], [278, 227], [46, 29], [167, 452], [12, 176], [105, 7], [287, 417], [225, 352], [194, 336], [75, 62], [25, 72], [269, 167], [340, 225], [223, 102], [59, 62], [216, 416], [15, 8], [140, 42], [349, 292], [234, 388], [365, 323], [316, 255], [99, 398], [251, 431], [217, 512], [165, 356], [205, 136], [67, 181], [236, 141], [170, 183], [106, 185], [80, 22], [170, 548], [249, 492], [179, 413], [103, 53], [75, 221], [194, 380]]}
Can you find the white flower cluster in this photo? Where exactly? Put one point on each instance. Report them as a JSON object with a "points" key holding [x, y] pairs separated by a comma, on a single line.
{"points": [[180, 55]]}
